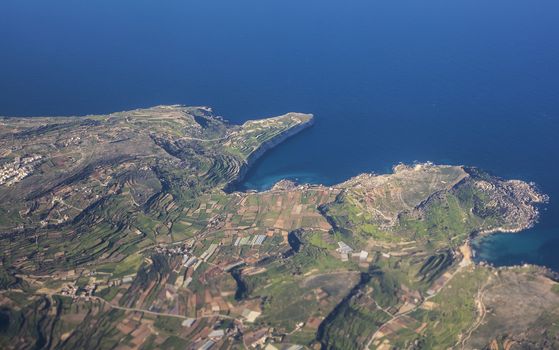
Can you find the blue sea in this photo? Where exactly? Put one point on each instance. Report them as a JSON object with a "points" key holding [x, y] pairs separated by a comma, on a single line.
{"points": [[471, 82]]}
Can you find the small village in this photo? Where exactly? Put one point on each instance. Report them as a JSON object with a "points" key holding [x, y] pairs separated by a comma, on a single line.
{"points": [[19, 169]]}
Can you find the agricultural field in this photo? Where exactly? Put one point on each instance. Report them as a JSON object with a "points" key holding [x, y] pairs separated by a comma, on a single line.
{"points": [[126, 231]]}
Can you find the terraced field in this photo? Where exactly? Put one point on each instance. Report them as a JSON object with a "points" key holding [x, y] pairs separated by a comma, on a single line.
{"points": [[125, 231]]}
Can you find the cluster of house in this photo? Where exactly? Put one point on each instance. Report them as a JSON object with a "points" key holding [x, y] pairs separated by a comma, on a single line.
{"points": [[214, 336], [19, 169], [346, 252], [265, 338], [188, 259], [74, 140], [72, 291], [176, 249], [215, 221], [69, 290]]}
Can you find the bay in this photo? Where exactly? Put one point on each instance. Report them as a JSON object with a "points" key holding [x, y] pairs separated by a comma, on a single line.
{"points": [[464, 82]]}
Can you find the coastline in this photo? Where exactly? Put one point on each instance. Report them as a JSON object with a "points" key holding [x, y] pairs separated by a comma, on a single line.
{"points": [[264, 147], [480, 235], [467, 247]]}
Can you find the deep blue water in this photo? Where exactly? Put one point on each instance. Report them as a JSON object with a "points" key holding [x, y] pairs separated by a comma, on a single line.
{"points": [[463, 82]]}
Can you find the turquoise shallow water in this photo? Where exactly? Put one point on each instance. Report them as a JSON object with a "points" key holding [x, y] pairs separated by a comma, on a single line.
{"points": [[464, 82]]}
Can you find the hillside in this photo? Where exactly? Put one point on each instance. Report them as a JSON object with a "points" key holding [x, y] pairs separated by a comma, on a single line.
{"points": [[124, 231]]}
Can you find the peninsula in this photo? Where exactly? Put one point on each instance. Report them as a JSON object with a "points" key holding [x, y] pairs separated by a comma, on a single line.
{"points": [[125, 231]]}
